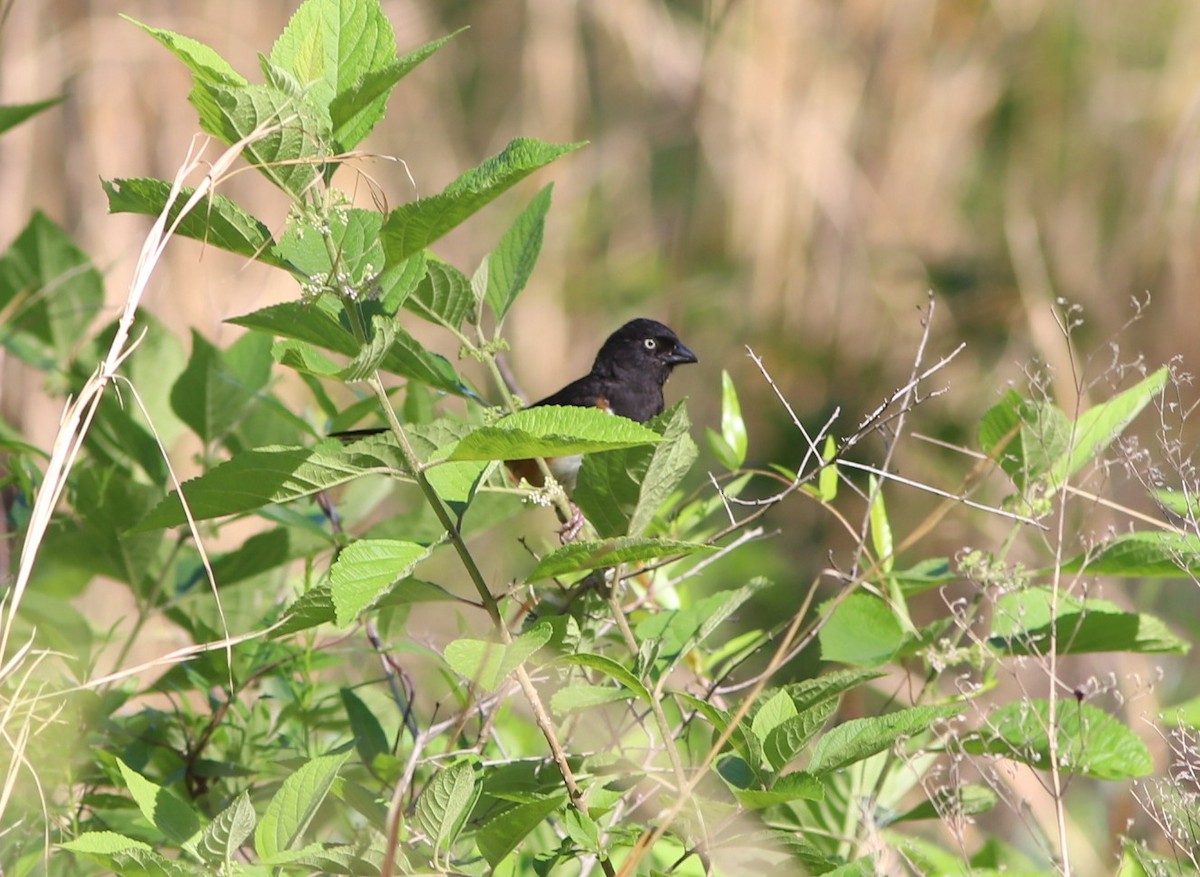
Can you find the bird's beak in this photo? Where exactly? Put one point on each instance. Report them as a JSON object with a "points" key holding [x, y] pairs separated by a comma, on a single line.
{"points": [[681, 355]]}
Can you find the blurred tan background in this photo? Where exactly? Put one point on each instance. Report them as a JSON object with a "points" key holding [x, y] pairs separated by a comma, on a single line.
{"points": [[790, 175]]}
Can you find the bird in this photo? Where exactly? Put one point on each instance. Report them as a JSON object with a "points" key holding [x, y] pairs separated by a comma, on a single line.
{"points": [[626, 379]]}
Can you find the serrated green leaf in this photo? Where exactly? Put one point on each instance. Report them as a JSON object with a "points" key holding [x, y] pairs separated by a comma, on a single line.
{"points": [[292, 808], [415, 226], [583, 556], [857, 739], [446, 802], [292, 138], [776, 710], [790, 737], [676, 632], [443, 297], [670, 461], [357, 108], [487, 664], [329, 45], [366, 569], [509, 266], [202, 61], [260, 476], [547, 431], [12, 115], [223, 837], [323, 323], [102, 842], [161, 807], [309, 610], [1089, 742], [827, 686], [214, 220]]}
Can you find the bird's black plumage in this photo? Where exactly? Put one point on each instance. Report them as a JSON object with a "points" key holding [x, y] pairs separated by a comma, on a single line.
{"points": [[627, 378]]}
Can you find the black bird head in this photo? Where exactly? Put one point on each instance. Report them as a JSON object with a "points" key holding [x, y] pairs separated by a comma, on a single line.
{"points": [[641, 349]]}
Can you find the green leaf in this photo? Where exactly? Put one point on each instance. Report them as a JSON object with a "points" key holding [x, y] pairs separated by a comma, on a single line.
{"points": [[612, 669], [795, 786], [443, 297], [366, 570], [881, 528], [178, 822], [1152, 554], [548, 431], [357, 108], [292, 137], [677, 632], [669, 463], [582, 556], [217, 387], [103, 843], [733, 428], [576, 698], [329, 45], [790, 737], [775, 711], [49, 293], [1027, 437], [746, 743], [294, 805], [487, 664], [1089, 741], [323, 323], [1045, 446], [416, 225], [109, 502], [446, 802], [260, 476], [621, 491], [857, 739], [861, 630], [214, 220], [204, 63], [223, 838], [12, 115], [1100, 425], [510, 265], [369, 737], [1026, 622], [827, 686], [827, 481], [499, 836]]}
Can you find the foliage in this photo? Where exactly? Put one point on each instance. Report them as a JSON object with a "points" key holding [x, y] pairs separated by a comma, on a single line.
{"points": [[610, 712]]}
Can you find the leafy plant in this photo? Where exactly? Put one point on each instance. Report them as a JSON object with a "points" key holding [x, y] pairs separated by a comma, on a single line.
{"points": [[601, 704]]}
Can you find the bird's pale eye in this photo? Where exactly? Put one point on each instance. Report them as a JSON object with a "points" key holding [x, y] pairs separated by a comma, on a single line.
{"points": [[650, 343]]}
